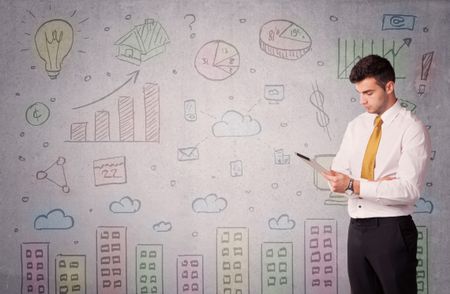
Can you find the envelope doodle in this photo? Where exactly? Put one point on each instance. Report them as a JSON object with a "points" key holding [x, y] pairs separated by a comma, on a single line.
{"points": [[188, 153]]}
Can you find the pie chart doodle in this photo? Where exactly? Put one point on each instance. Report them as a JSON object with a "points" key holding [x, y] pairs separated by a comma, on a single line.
{"points": [[284, 39], [217, 60]]}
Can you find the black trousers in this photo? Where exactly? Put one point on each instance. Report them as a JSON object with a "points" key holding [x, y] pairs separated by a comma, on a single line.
{"points": [[382, 255]]}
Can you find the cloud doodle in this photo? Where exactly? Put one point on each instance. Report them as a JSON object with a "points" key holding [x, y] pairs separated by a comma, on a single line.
{"points": [[234, 124], [282, 223], [56, 219], [424, 206], [209, 204], [162, 226], [125, 205]]}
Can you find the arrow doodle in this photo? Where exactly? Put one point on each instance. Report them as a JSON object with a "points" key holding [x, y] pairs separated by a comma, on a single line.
{"points": [[317, 100], [133, 77]]}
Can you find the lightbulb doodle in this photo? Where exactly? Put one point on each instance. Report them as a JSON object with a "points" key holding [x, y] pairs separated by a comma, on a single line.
{"points": [[54, 39]]}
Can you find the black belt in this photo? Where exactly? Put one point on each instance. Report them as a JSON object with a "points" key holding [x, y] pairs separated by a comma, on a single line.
{"points": [[374, 221]]}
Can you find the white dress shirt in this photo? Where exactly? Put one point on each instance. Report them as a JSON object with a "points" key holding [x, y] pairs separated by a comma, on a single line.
{"points": [[403, 153]]}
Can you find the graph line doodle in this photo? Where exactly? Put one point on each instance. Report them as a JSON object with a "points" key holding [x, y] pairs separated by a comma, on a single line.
{"points": [[317, 100], [133, 77]]}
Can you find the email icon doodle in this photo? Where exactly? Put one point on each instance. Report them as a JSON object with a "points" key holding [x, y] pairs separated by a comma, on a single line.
{"points": [[188, 153]]}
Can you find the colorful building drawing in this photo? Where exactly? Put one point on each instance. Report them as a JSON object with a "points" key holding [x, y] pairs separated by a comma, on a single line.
{"points": [[277, 268], [232, 260], [112, 260], [321, 256], [142, 42], [70, 274], [35, 271], [149, 269], [422, 260], [190, 274]]}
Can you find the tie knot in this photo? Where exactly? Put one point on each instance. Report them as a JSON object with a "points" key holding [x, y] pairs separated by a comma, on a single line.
{"points": [[378, 121]]}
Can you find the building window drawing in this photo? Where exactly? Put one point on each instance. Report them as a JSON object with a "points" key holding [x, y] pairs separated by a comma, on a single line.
{"points": [[232, 260], [277, 268], [70, 274], [149, 268], [35, 271], [111, 264], [190, 274], [320, 256]]}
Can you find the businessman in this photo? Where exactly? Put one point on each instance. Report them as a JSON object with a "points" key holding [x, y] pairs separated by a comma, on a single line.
{"points": [[381, 166]]}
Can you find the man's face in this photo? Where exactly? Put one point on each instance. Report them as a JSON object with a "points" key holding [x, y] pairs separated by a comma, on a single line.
{"points": [[373, 97]]}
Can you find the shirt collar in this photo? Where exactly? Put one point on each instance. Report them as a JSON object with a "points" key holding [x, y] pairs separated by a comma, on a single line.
{"points": [[389, 115]]}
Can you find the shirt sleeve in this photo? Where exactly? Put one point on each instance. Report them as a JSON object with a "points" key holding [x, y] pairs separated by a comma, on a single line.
{"points": [[341, 162], [405, 188]]}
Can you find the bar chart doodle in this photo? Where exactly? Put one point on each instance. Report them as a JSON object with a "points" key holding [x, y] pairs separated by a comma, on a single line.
{"points": [[284, 39], [124, 125], [317, 100], [55, 174], [217, 60]]}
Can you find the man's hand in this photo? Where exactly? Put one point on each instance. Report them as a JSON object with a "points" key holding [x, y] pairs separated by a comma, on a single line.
{"points": [[338, 181]]}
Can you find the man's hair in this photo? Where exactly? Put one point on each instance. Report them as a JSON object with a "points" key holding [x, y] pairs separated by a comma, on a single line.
{"points": [[373, 66]]}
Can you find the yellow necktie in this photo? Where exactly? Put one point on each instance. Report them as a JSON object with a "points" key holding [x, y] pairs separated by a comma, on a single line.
{"points": [[368, 165]]}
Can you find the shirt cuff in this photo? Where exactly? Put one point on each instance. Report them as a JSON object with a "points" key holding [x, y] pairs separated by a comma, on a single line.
{"points": [[368, 189]]}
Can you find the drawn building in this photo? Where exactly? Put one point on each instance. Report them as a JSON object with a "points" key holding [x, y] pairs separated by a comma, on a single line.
{"points": [[35, 271], [142, 42], [321, 256], [277, 268], [190, 274], [111, 260], [232, 260], [422, 260], [70, 274], [149, 269]]}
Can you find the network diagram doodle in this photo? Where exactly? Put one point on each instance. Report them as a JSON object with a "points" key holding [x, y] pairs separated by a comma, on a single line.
{"points": [[55, 174]]}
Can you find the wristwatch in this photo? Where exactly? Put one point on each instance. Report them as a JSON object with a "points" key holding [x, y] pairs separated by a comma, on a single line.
{"points": [[349, 191]]}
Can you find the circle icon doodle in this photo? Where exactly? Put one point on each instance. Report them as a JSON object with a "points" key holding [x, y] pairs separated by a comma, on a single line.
{"points": [[217, 60], [37, 114]]}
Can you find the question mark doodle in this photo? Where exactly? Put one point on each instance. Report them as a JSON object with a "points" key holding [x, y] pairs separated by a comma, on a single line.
{"points": [[191, 23]]}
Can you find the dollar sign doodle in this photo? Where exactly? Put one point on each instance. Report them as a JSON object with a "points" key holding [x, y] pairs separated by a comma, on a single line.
{"points": [[317, 100]]}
